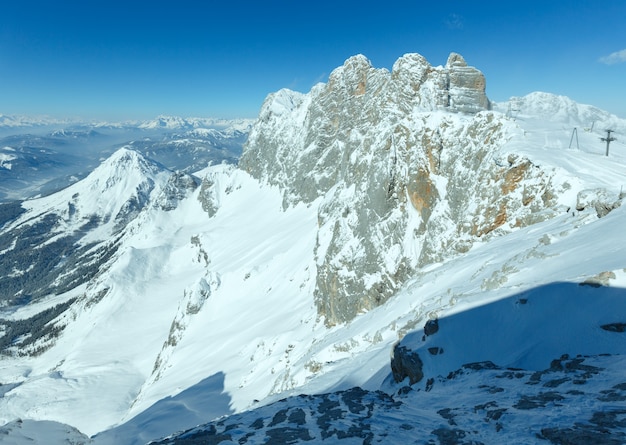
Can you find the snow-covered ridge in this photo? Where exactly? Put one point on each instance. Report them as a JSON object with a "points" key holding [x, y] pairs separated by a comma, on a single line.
{"points": [[30, 121], [179, 123]]}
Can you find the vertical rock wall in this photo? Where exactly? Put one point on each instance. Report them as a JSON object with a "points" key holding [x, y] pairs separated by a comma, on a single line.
{"points": [[407, 168]]}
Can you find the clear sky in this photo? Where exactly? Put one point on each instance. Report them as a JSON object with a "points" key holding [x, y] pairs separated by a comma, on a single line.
{"points": [[110, 59]]}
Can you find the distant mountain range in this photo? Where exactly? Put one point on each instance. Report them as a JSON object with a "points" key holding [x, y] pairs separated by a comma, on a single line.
{"points": [[162, 122], [39, 156]]}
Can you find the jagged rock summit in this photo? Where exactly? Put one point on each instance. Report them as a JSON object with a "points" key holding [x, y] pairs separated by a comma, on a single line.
{"points": [[466, 86], [407, 166]]}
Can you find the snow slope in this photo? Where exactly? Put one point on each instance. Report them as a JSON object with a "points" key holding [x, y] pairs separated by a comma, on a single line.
{"points": [[197, 316]]}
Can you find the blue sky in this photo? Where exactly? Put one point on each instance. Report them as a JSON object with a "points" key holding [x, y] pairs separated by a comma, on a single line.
{"points": [[127, 60]]}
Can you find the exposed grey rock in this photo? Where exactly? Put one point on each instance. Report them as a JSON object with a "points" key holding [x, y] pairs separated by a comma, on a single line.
{"points": [[208, 197], [401, 185], [540, 400], [133, 206], [601, 279], [604, 428], [211, 191], [467, 86], [178, 186], [599, 199]]}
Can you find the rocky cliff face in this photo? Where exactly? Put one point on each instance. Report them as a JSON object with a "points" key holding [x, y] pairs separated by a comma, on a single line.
{"points": [[407, 166]]}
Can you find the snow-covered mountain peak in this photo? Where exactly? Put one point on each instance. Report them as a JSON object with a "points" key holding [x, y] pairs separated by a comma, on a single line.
{"points": [[456, 60], [166, 122], [106, 200], [557, 108], [121, 184], [352, 74], [281, 102], [411, 63], [126, 176], [77, 230], [126, 162], [16, 121]]}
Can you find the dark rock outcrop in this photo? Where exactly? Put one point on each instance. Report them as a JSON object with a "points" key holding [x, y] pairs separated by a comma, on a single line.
{"points": [[598, 199], [406, 363], [431, 327]]}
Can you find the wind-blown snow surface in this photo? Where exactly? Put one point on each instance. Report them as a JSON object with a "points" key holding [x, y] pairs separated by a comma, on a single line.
{"points": [[201, 317]]}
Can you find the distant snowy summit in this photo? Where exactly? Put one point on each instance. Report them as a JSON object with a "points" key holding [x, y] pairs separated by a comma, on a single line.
{"points": [[191, 123], [553, 107], [16, 121]]}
